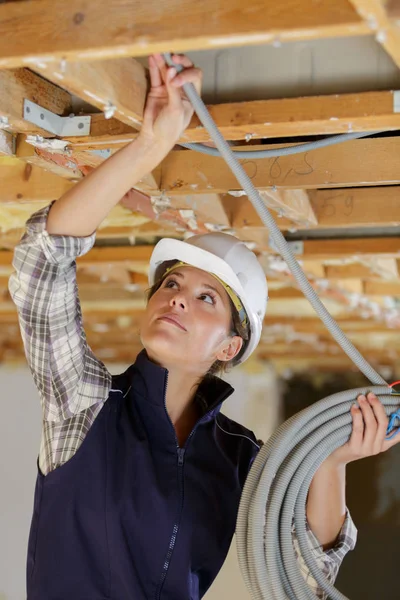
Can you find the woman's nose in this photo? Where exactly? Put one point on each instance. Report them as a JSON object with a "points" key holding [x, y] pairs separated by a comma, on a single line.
{"points": [[179, 301]]}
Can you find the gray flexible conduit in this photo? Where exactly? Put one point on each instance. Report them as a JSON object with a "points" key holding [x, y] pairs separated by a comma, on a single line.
{"points": [[277, 485], [286, 151]]}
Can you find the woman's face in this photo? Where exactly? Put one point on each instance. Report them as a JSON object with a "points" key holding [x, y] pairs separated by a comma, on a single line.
{"points": [[187, 322]]}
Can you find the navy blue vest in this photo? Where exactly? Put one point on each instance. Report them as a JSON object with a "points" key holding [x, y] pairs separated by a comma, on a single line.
{"points": [[132, 516]]}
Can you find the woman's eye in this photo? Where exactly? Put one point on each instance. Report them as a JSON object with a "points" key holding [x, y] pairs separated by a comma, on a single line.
{"points": [[170, 283], [211, 299]]}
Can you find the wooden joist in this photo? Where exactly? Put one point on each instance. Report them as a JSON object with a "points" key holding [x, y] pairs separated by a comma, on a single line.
{"points": [[314, 115], [82, 31], [311, 249], [23, 182], [18, 85], [351, 248], [117, 87], [379, 15], [363, 162], [343, 207], [382, 288]]}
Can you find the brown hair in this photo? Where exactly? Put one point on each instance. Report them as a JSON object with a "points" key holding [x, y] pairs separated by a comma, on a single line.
{"points": [[237, 328]]}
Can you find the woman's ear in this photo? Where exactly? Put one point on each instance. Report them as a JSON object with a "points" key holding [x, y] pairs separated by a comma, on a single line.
{"points": [[230, 349]]}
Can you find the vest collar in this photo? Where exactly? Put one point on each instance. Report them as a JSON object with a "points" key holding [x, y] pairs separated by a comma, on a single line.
{"points": [[150, 380]]}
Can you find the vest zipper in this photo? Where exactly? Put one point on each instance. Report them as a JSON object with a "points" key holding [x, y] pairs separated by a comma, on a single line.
{"points": [[181, 459], [181, 455]]}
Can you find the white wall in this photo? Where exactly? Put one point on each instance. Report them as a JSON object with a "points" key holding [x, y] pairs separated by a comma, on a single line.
{"points": [[255, 404], [19, 445]]}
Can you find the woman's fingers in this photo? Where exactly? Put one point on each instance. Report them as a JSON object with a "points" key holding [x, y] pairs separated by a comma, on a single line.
{"points": [[370, 423], [182, 59], [160, 62], [155, 74], [357, 434], [382, 422], [174, 94], [192, 75]]}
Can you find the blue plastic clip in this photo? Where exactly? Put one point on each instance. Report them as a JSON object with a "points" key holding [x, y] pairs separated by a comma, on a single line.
{"points": [[393, 425]]}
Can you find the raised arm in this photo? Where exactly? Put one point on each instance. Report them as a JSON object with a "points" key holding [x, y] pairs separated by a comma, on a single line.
{"points": [[67, 374], [168, 112]]}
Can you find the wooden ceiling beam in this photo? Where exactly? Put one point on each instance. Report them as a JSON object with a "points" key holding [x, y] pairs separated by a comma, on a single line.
{"points": [[343, 207], [351, 248], [378, 287], [377, 14], [187, 172], [311, 249], [315, 115], [23, 182], [351, 271], [18, 85], [78, 31], [116, 87]]}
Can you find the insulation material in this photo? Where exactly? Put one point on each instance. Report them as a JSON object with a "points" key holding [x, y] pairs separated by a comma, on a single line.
{"points": [[207, 207], [121, 216], [292, 204], [13, 215], [7, 143], [383, 267]]}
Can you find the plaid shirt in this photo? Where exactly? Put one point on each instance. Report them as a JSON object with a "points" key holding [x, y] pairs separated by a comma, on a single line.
{"points": [[73, 384]]}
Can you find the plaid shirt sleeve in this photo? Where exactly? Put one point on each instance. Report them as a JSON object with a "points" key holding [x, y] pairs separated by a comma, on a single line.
{"points": [[71, 381], [328, 561]]}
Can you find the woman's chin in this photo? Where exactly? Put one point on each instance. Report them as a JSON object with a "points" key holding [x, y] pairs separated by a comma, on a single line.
{"points": [[163, 347]]}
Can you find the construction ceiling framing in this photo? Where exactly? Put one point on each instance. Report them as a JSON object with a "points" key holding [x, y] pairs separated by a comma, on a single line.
{"points": [[339, 206]]}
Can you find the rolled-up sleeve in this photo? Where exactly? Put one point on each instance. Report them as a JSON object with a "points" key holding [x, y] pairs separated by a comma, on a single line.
{"points": [[68, 376], [329, 561]]}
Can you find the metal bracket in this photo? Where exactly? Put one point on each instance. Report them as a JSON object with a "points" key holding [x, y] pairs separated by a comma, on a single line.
{"points": [[60, 126]]}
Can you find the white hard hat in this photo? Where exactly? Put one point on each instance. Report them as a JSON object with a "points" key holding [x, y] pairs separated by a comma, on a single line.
{"points": [[231, 261]]}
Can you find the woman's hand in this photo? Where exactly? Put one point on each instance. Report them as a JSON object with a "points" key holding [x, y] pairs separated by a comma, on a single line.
{"points": [[369, 432], [168, 111], [326, 503]]}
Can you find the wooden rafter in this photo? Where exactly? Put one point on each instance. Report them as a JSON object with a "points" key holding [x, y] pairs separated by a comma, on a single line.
{"points": [[315, 115], [18, 85], [28, 183], [117, 87], [331, 167], [380, 20], [342, 207], [79, 31], [311, 249], [102, 84]]}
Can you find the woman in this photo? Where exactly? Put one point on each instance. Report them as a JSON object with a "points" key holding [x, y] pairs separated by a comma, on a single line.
{"points": [[140, 475]]}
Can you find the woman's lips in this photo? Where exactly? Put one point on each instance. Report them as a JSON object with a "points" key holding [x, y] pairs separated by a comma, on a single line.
{"points": [[172, 319]]}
